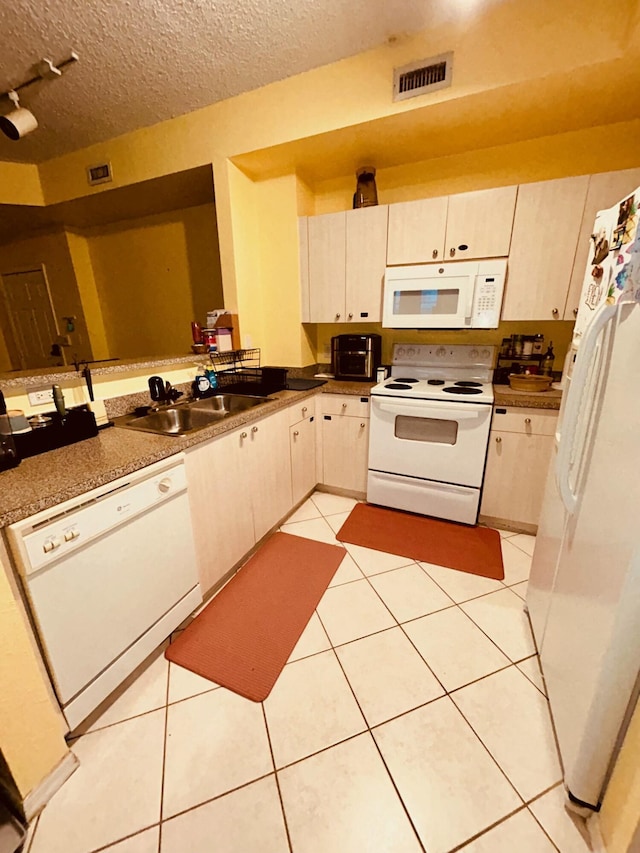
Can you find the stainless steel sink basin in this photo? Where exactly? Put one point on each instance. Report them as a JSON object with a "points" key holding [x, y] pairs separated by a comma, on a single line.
{"points": [[189, 417]]}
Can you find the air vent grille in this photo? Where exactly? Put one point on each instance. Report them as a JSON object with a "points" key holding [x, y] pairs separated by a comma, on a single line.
{"points": [[426, 75], [100, 174]]}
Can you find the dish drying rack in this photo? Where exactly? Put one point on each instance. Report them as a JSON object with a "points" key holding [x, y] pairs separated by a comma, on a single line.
{"points": [[238, 370]]}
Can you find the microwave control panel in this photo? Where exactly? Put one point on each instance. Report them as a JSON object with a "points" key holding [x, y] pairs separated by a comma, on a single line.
{"points": [[487, 301]]}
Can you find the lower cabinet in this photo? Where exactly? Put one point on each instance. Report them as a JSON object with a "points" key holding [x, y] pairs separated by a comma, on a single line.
{"points": [[345, 442], [302, 446], [239, 487], [519, 453]]}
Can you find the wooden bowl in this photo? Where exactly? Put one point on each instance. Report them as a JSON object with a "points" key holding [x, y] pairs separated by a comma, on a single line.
{"points": [[529, 382]]}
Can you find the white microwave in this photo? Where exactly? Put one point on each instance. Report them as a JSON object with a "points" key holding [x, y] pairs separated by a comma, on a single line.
{"points": [[456, 295]]}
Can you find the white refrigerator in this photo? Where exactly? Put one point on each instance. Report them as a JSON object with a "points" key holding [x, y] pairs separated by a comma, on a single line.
{"points": [[584, 592]]}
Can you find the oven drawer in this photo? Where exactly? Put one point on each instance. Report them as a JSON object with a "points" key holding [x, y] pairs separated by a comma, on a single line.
{"points": [[529, 421], [456, 503], [345, 404]]}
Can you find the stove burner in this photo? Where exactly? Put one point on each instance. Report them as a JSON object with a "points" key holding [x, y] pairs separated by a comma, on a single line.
{"points": [[466, 384], [435, 381], [398, 386], [402, 379], [456, 389]]}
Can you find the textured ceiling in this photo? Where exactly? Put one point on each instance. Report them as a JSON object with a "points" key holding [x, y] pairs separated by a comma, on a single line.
{"points": [[143, 61]]}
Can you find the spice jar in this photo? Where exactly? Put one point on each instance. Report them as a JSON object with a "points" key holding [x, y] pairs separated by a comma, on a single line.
{"points": [[518, 345], [527, 346]]}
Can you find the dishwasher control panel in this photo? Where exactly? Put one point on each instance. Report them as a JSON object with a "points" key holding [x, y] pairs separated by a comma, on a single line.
{"points": [[78, 522]]}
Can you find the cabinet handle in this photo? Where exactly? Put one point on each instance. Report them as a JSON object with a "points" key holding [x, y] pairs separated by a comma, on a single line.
{"points": [[296, 433], [555, 312], [363, 425], [575, 312], [434, 254], [452, 252], [243, 435], [350, 316], [254, 429], [344, 405], [498, 439], [337, 316], [527, 420], [304, 409]]}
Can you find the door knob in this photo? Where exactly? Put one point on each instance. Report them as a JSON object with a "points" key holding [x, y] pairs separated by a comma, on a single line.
{"points": [[527, 420], [555, 312], [363, 425], [351, 316], [344, 405], [498, 440], [575, 312], [337, 316], [304, 409], [452, 252], [434, 254], [254, 429], [296, 433], [243, 435]]}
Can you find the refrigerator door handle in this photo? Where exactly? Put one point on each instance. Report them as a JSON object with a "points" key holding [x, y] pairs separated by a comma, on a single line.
{"points": [[574, 404]]}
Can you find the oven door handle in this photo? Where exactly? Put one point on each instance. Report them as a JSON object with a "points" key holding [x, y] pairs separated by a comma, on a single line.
{"points": [[450, 413]]}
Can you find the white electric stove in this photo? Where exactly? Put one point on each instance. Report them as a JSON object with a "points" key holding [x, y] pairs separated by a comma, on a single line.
{"points": [[430, 425]]}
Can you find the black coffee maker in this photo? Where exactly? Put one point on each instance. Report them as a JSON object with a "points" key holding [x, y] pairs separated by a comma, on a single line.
{"points": [[8, 455]]}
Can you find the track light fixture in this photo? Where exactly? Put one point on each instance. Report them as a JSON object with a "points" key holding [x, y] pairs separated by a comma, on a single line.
{"points": [[20, 121]]}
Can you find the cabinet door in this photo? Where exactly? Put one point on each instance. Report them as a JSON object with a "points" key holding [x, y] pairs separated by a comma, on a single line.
{"points": [[605, 189], [366, 261], [220, 512], [543, 245], [302, 444], [345, 449], [416, 231], [480, 221], [327, 270], [303, 248], [266, 450], [515, 476]]}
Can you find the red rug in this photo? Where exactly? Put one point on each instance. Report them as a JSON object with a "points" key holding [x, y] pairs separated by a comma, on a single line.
{"points": [[468, 549], [244, 637]]}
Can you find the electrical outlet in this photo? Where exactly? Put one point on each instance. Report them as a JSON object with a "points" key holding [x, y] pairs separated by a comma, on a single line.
{"points": [[41, 397]]}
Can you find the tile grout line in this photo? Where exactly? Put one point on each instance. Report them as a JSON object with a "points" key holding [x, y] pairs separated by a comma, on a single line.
{"points": [[164, 751], [112, 844], [478, 835], [275, 776]]}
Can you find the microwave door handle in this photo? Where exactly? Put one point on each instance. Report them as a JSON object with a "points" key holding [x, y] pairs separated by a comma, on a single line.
{"points": [[470, 293], [451, 413], [574, 405]]}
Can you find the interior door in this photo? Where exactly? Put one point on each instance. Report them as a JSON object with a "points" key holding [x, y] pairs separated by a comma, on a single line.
{"points": [[27, 320]]}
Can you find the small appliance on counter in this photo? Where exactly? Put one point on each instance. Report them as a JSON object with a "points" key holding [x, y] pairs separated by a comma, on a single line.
{"points": [[9, 456], [356, 357]]}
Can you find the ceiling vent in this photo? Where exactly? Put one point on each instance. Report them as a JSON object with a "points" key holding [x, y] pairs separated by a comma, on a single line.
{"points": [[100, 174], [426, 75]]}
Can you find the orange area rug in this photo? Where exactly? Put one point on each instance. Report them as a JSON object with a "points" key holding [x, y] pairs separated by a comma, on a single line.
{"points": [[244, 637], [444, 543]]}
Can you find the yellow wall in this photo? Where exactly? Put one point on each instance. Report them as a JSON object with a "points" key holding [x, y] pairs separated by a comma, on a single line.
{"points": [[86, 283], [153, 277], [31, 732], [52, 252], [20, 184], [620, 813]]}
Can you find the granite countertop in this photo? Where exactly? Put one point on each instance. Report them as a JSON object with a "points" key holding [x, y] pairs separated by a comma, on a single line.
{"points": [[41, 482], [504, 395]]}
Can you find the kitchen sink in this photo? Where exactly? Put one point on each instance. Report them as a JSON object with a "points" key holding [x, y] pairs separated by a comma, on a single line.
{"points": [[185, 418]]}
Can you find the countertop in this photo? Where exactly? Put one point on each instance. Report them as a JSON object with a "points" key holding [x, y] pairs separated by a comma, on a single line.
{"points": [[504, 395], [41, 482]]}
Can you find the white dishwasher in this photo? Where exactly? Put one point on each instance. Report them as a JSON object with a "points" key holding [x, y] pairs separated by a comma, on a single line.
{"points": [[108, 576]]}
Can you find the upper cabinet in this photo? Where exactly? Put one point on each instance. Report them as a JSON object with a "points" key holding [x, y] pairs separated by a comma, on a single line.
{"points": [[346, 263], [479, 224], [543, 246], [416, 231], [458, 227], [605, 189]]}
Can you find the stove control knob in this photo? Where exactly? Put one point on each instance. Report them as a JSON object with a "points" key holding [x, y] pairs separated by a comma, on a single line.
{"points": [[411, 352], [486, 353], [441, 352], [400, 352], [70, 535], [473, 354]]}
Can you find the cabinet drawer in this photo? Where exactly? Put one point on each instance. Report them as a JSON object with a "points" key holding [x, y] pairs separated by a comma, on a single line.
{"points": [[345, 404], [531, 421], [301, 411]]}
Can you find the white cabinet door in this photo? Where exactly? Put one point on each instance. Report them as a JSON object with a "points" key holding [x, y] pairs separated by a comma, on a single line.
{"points": [[302, 444], [345, 449], [543, 244], [266, 455], [366, 260], [327, 267], [605, 189], [479, 224], [416, 231], [218, 488]]}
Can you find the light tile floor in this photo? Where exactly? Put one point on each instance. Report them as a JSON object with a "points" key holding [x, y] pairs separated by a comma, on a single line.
{"points": [[411, 716]]}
